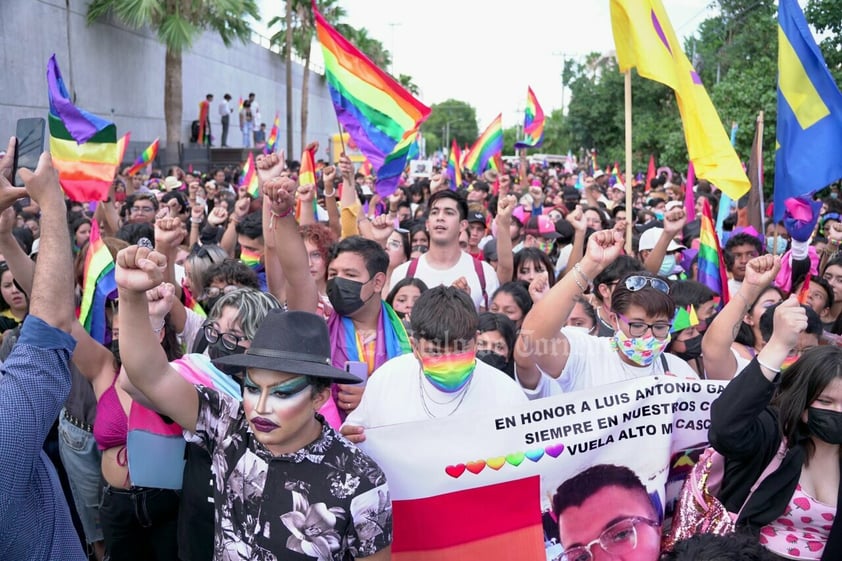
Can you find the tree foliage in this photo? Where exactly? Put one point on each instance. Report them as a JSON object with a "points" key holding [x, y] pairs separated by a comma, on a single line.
{"points": [[826, 16], [451, 119]]}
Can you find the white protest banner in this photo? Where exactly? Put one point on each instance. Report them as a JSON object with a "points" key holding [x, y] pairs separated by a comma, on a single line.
{"points": [[639, 424]]}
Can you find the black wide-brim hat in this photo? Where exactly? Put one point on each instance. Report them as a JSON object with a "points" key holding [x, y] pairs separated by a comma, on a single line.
{"points": [[293, 343]]}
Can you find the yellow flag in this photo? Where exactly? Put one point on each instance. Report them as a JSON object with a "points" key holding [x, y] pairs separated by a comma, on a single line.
{"points": [[645, 40]]}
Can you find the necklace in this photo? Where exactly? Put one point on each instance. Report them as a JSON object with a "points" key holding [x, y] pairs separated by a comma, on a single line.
{"points": [[424, 396]]}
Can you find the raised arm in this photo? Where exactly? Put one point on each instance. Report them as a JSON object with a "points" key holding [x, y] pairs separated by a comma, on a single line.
{"points": [[21, 266], [505, 256], [541, 342], [332, 208], [720, 363], [139, 270], [674, 222], [350, 207]]}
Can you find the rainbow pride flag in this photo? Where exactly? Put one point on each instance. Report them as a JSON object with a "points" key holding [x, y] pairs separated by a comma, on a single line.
{"points": [[249, 178], [240, 104], [454, 167], [489, 143], [98, 284], [190, 303], [307, 173], [381, 117], [533, 123], [145, 158], [711, 261], [83, 146], [273, 135], [366, 169]]}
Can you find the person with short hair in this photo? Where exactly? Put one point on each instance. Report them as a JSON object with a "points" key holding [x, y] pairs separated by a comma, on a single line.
{"points": [[225, 111], [605, 512], [738, 251]]}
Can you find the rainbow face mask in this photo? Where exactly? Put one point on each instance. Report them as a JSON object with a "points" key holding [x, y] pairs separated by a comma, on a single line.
{"points": [[449, 372], [250, 258]]}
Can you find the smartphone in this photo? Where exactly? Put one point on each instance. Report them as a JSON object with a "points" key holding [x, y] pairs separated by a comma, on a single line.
{"points": [[357, 368], [29, 133]]}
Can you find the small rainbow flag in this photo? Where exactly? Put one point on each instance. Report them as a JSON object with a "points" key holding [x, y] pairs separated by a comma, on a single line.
{"points": [[380, 116], [454, 167], [249, 178], [240, 104], [489, 143], [273, 135], [83, 146], [145, 158], [190, 303], [533, 123], [711, 262], [122, 144], [366, 169], [307, 173], [98, 284]]}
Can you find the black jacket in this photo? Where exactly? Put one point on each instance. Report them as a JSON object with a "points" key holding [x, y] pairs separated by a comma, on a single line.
{"points": [[744, 429]]}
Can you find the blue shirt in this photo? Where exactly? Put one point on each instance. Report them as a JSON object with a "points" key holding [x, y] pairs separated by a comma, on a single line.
{"points": [[35, 521]]}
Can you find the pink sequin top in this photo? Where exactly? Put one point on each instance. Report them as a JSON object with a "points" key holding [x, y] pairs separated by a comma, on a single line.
{"points": [[802, 530]]}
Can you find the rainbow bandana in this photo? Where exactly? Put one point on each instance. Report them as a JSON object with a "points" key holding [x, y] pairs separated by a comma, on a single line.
{"points": [[250, 258], [788, 361], [449, 373]]}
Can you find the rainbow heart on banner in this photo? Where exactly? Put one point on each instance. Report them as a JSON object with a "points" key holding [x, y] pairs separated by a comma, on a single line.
{"points": [[455, 471], [516, 458], [554, 450], [496, 463], [476, 466], [535, 455]]}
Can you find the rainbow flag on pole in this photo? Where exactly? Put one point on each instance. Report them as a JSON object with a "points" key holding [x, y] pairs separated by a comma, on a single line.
{"points": [[711, 262], [454, 168], [533, 123], [487, 145], [83, 146], [145, 158], [381, 117], [97, 285], [249, 178], [307, 173], [273, 135]]}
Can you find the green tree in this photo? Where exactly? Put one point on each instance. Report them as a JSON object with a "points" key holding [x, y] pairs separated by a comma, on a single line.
{"points": [[448, 120], [177, 25], [826, 16], [300, 13], [406, 81]]}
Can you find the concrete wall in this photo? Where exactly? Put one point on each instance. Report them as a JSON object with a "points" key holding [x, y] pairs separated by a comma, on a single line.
{"points": [[118, 73]]}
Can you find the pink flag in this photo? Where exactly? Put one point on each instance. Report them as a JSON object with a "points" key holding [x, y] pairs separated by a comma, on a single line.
{"points": [[689, 200]]}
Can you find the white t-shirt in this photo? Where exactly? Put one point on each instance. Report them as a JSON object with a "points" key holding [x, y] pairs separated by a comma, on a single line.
{"points": [[464, 268], [592, 362], [393, 394]]}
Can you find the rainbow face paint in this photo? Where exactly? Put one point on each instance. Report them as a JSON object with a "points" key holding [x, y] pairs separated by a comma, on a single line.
{"points": [[250, 258], [449, 372]]}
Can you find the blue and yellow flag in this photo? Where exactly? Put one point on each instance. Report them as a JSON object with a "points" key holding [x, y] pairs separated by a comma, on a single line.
{"points": [[646, 40], [809, 131]]}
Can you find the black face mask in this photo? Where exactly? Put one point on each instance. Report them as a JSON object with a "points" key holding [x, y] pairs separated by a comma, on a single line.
{"points": [[218, 350], [115, 350], [209, 303], [344, 295], [692, 349], [493, 359], [825, 424]]}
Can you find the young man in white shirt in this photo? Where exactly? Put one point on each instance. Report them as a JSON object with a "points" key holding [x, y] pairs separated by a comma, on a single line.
{"points": [[225, 111], [445, 263]]}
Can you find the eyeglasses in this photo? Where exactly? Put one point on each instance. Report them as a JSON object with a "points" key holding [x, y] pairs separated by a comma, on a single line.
{"points": [[638, 328], [214, 291], [638, 282], [617, 539], [143, 209], [394, 244], [229, 340]]}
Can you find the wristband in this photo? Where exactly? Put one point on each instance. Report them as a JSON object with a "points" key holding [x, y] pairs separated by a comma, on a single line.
{"points": [[274, 216], [578, 269], [159, 329], [331, 194], [767, 367]]}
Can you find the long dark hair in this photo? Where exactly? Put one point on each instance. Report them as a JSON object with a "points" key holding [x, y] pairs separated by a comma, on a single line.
{"points": [[801, 384], [534, 255]]}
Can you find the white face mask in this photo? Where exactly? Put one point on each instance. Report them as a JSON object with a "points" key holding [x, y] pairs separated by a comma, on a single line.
{"points": [[667, 265], [580, 329]]}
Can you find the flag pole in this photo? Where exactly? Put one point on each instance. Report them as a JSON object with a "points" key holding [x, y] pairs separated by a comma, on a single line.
{"points": [[628, 102], [341, 138], [759, 156]]}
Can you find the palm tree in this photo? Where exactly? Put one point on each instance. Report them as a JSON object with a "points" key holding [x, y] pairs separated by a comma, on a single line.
{"points": [[407, 82], [178, 23], [300, 36]]}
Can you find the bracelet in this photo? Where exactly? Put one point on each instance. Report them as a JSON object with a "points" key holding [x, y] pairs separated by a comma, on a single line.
{"points": [[767, 367], [331, 194], [196, 220], [163, 324], [274, 216], [578, 269], [582, 287]]}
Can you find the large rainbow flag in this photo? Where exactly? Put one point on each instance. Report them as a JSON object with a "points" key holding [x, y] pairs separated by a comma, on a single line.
{"points": [[83, 146], [533, 123], [146, 157], [487, 145], [381, 117], [711, 261], [97, 285], [454, 167]]}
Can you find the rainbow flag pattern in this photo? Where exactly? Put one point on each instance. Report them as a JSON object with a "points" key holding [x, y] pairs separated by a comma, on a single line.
{"points": [[98, 284], [249, 178], [272, 141], [190, 303], [145, 158], [533, 123], [454, 167], [366, 169], [240, 104], [307, 173], [711, 261], [489, 143], [381, 117], [83, 146]]}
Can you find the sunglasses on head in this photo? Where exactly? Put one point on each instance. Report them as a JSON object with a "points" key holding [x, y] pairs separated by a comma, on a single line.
{"points": [[639, 282]]}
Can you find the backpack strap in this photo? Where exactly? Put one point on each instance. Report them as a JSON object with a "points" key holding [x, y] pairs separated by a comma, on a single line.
{"points": [[481, 276], [413, 266], [774, 464]]}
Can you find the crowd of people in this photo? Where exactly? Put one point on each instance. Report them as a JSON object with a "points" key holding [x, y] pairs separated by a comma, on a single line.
{"points": [[257, 339]]}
